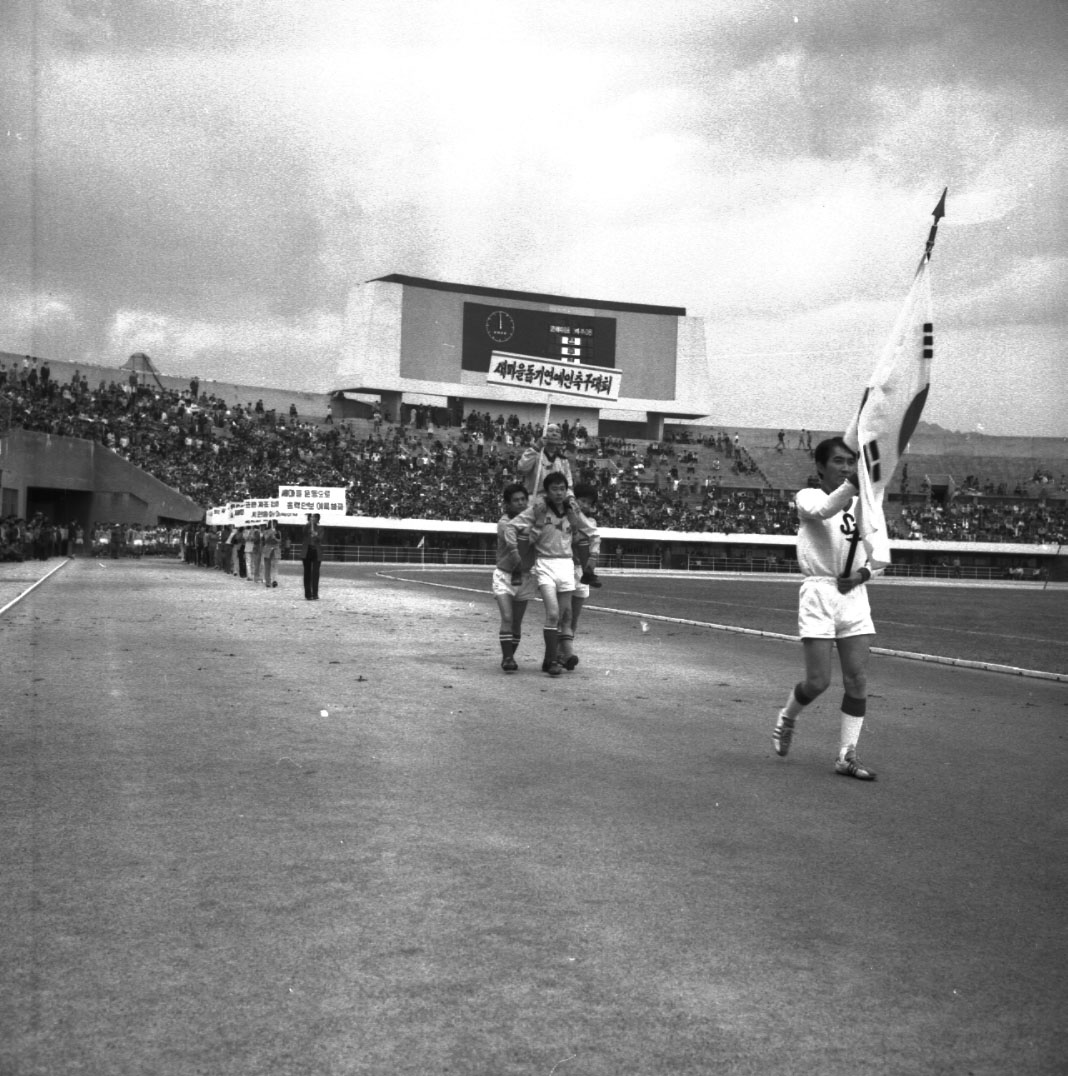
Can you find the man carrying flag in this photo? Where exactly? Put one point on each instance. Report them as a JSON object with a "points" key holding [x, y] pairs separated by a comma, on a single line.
{"points": [[842, 541]]}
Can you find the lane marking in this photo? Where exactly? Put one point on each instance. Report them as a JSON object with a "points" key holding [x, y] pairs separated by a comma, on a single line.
{"points": [[47, 575], [931, 659]]}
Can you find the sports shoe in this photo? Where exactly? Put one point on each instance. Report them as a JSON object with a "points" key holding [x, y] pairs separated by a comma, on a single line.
{"points": [[849, 766], [555, 669], [509, 664], [782, 734], [571, 662]]}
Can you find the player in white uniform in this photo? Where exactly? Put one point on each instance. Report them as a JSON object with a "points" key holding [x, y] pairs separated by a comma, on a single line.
{"points": [[585, 551], [513, 582], [833, 610]]}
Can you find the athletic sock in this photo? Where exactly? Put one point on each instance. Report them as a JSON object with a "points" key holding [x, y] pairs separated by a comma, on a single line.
{"points": [[516, 636], [853, 711], [552, 637], [507, 646], [565, 645]]}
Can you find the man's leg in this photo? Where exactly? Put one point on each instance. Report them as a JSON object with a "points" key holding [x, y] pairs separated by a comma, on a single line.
{"points": [[853, 653], [504, 635], [551, 631], [519, 609], [569, 631], [817, 678]]}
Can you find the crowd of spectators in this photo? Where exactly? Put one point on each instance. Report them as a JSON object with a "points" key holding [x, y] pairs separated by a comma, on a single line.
{"points": [[972, 519], [214, 452]]}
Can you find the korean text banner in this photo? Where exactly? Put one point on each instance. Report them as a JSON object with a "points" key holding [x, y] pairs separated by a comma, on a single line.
{"points": [[261, 510], [295, 502], [545, 375]]}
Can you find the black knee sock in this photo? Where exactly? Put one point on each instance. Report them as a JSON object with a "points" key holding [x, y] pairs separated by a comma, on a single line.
{"points": [[552, 637]]}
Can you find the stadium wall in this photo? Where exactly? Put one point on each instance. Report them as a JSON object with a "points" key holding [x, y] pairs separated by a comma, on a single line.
{"points": [[70, 478]]}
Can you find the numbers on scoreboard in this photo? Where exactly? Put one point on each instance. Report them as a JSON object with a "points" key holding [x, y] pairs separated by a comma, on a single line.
{"points": [[575, 342]]}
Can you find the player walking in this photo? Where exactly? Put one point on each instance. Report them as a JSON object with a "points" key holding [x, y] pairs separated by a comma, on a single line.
{"points": [[585, 551], [833, 609], [514, 586], [550, 525]]}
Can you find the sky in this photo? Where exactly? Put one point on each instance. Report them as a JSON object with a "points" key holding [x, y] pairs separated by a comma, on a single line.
{"points": [[206, 180]]}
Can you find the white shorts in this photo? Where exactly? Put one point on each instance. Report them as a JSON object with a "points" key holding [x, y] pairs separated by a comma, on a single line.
{"points": [[555, 572], [823, 613], [527, 590], [582, 590]]}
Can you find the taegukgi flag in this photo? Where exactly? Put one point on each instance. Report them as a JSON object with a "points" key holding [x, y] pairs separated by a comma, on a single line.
{"points": [[890, 409]]}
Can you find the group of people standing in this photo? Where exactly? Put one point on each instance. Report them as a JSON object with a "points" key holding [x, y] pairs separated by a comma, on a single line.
{"points": [[251, 552]]}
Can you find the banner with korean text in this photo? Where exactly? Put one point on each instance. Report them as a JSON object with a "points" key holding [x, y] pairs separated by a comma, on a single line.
{"points": [[261, 510], [545, 375], [295, 502]]}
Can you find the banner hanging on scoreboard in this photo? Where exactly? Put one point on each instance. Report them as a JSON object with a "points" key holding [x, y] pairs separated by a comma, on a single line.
{"points": [[527, 372]]}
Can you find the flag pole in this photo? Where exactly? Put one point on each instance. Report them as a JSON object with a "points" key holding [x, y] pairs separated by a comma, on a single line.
{"points": [[938, 213], [544, 427]]}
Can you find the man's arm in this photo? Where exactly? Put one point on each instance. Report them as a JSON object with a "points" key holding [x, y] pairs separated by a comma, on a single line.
{"points": [[510, 531], [815, 504], [528, 460]]}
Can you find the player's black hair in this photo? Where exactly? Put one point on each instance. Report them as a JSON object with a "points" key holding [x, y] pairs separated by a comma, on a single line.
{"points": [[512, 489], [824, 449], [585, 490], [553, 478]]}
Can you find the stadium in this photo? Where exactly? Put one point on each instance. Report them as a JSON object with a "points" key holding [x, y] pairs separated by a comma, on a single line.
{"points": [[414, 408], [253, 834]]}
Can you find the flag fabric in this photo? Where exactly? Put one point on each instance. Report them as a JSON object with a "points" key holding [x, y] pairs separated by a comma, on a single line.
{"points": [[422, 542], [890, 409]]}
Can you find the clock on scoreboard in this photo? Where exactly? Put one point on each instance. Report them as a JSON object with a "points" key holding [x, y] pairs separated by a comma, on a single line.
{"points": [[577, 338]]}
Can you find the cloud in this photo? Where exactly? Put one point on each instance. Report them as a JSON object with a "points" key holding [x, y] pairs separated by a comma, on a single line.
{"points": [[206, 181]]}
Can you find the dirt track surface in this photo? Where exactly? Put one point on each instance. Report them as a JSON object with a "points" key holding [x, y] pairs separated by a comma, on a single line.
{"points": [[453, 870]]}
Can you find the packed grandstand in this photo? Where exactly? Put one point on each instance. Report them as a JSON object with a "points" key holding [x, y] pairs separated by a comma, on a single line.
{"points": [[408, 466]]}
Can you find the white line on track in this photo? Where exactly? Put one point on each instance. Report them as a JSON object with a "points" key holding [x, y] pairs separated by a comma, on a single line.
{"points": [[47, 575], [931, 659]]}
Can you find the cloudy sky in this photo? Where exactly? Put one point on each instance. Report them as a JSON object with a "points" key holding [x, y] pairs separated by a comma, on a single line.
{"points": [[205, 180]]}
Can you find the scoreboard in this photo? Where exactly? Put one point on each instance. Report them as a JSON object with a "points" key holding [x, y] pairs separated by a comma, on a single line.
{"points": [[543, 334]]}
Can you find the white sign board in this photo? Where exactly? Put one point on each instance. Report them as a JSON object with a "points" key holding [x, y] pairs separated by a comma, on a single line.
{"points": [[545, 375], [295, 502], [261, 510]]}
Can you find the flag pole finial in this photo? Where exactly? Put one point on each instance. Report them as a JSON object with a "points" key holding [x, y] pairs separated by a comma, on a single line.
{"points": [[939, 213]]}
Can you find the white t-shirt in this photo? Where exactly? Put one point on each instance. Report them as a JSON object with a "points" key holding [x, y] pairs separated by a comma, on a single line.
{"points": [[827, 523]]}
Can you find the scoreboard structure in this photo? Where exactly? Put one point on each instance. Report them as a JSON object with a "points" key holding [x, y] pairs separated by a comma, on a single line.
{"points": [[408, 340]]}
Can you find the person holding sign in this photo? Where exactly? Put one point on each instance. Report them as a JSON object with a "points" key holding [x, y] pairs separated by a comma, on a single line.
{"points": [[833, 606], [311, 555], [272, 542], [550, 525], [545, 456]]}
